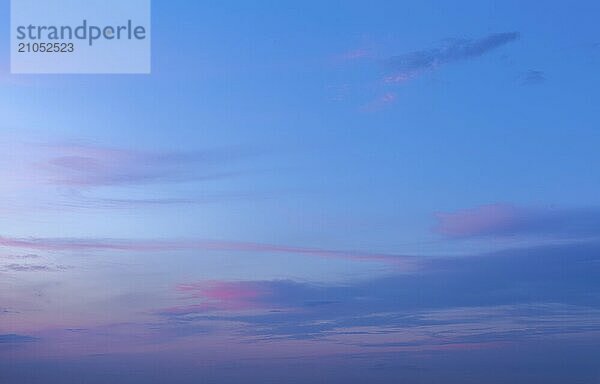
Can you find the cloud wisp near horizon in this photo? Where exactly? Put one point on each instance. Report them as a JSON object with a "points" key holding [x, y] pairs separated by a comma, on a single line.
{"points": [[482, 301]]}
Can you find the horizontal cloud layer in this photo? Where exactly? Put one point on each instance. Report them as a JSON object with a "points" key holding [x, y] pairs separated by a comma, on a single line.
{"points": [[89, 166], [16, 339], [509, 220], [508, 295], [40, 244]]}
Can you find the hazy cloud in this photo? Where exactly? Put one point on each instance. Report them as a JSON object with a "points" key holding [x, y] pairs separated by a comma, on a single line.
{"points": [[16, 339], [406, 66], [20, 257], [504, 296], [89, 166], [380, 103], [509, 220], [533, 77], [32, 268], [66, 244]]}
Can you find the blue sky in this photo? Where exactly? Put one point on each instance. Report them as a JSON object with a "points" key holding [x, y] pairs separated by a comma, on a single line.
{"points": [[340, 191]]}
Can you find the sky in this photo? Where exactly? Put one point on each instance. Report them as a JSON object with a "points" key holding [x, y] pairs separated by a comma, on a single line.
{"points": [[316, 191]]}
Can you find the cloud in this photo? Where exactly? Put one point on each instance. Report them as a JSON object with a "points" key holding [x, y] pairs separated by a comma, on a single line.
{"points": [[509, 220], [27, 263], [16, 339], [32, 268], [20, 257], [487, 219], [41, 244], [507, 296], [533, 77], [380, 103], [407, 66], [75, 199], [79, 176], [221, 296], [93, 166], [356, 54]]}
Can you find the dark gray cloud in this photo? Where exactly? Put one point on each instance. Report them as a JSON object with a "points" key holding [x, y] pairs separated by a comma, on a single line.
{"points": [[405, 66]]}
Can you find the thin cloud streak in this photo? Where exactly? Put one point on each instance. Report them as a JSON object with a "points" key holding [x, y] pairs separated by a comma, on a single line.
{"points": [[32, 268], [75, 199], [40, 244], [94, 166]]}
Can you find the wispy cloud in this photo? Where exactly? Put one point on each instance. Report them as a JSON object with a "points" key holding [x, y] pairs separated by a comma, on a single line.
{"points": [[409, 65], [77, 199], [487, 219], [355, 54], [89, 166], [381, 102], [505, 296], [41, 244], [533, 77], [80, 176], [221, 296], [510, 220], [16, 339], [32, 268], [19, 257]]}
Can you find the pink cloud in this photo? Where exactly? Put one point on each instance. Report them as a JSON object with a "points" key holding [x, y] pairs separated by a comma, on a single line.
{"points": [[221, 296], [507, 220], [223, 291], [483, 220]]}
